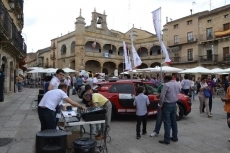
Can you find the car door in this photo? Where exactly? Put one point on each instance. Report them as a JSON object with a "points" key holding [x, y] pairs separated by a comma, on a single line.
{"points": [[151, 91], [124, 92]]}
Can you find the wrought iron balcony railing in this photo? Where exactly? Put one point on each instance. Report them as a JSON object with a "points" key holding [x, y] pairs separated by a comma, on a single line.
{"points": [[183, 59], [183, 40], [208, 58], [8, 31]]}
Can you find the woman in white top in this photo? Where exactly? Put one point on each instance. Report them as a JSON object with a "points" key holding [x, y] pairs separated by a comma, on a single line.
{"points": [[192, 87], [203, 100]]}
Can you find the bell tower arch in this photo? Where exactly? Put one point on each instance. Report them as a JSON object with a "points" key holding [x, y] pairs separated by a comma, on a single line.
{"points": [[99, 21]]}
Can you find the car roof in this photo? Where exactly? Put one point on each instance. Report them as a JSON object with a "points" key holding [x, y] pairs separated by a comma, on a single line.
{"points": [[121, 81]]}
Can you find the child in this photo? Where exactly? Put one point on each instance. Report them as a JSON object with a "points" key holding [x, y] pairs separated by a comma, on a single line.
{"points": [[227, 105], [141, 102]]}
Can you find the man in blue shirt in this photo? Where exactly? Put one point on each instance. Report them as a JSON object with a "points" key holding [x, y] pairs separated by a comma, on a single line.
{"points": [[79, 83]]}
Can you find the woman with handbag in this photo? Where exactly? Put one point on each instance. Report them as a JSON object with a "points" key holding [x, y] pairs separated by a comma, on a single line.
{"points": [[204, 94]]}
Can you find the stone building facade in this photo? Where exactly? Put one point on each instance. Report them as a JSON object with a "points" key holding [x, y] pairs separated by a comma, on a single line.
{"points": [[75, 49], [39, 59], [200, 39], [12, 46]]}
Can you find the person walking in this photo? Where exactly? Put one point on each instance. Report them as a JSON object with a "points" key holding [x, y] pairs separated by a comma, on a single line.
{"points": [[185, 84], [226, 100], [201, 87], [192, 87], [159, 119], [79, 83], [168, 100], [211, 86], [141, 102], [67, 81], [74, 82]]}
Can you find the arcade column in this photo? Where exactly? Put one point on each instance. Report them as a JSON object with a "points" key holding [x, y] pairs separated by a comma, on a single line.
{"points": [[1, 86]]}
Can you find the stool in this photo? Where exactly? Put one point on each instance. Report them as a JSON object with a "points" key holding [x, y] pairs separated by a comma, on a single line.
{"points": [[84, 145], [50, 141]]}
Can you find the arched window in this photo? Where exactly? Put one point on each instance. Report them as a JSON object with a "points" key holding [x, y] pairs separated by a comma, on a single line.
{"points": [[63, 49], [73, 47]]}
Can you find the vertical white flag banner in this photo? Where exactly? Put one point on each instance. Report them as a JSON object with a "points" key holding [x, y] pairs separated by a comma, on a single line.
{"points": [[128, 65], [157, 26], [136, 59]]}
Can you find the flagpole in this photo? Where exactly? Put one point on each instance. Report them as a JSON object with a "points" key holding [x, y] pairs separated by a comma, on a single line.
{"points": [[161, 48]]}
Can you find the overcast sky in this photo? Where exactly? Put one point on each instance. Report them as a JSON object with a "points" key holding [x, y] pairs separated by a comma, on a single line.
{"points": [[48, 19]]}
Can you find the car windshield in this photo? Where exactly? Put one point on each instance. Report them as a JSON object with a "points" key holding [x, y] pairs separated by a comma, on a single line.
{"points": [[151, 88]]}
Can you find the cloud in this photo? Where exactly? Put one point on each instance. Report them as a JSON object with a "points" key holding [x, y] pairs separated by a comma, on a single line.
{"points": [[47, 19]]}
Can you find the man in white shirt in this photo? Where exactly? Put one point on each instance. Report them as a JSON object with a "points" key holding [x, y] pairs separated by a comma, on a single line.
{"points": [[46, 108], [90, 80], [95, 79], [54, 83], [67, 81]]}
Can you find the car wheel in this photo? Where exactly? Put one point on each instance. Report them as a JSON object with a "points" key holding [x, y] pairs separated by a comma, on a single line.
{"points": [[180, 112]]}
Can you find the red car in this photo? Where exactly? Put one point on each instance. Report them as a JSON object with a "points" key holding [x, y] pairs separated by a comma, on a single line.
{"points": [[122, 92]]}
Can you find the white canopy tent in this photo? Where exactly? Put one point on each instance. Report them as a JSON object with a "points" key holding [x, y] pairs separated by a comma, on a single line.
{"points": [[37, 70], [166, 69], [51, 70], [225, 71], [196, 70], [218, 71], [68, 70]]}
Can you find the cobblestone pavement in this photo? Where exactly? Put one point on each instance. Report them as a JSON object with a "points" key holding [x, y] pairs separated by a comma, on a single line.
{"points": [[197, 134]]}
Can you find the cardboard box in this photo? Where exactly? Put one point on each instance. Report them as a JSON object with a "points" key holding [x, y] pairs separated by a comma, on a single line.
{"points": [[61, 124], [71, 136], [65, 105]]}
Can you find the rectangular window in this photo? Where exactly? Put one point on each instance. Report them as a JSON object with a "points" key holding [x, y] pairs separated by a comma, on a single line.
{"points": [[209, 21], [226, 16], [226, 54], [190, 54], [176, 39], [189, 22], [189, 36], [209, 55], [226, 26], [176, 26], [176, 58], [209, 33]]}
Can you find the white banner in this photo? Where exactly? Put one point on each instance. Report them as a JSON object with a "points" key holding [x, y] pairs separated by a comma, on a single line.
{"points": [[136, 59], [128, 65], [156, 22]]}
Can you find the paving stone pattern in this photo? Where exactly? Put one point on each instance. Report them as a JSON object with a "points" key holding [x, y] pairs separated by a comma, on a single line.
{"points": [[197, 134]]}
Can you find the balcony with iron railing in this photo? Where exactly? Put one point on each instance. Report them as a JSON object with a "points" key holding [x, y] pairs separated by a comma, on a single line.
{"points": [[9, 34], [183, 59], [207, 37], [208, 58], [181, 41], [226, 57]]}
